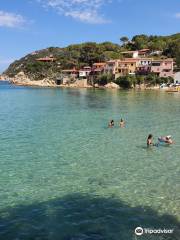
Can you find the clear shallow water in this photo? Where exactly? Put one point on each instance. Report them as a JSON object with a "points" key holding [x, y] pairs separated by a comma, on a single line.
{"points": [[65, 175]]}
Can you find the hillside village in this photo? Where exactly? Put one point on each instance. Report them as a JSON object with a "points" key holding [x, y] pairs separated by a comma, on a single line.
{"points": [[92, 64], [138, 64]]}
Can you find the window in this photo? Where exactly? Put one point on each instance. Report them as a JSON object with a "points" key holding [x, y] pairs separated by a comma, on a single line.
{"points": [[156, 64]]}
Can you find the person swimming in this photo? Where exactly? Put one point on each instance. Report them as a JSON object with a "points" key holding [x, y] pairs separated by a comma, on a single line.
{"points": [[166, 139], [150, 140], [122, 123], [111, 123]]}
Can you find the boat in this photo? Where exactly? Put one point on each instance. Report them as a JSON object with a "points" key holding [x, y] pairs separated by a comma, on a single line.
{"points": [[172, 90]]}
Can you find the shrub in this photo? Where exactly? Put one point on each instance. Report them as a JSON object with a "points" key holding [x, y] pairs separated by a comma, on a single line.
{"points": [[124, 82], [104, 79]]}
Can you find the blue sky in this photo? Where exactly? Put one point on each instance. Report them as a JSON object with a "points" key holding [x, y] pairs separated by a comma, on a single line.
{"points": [[28, 25]]}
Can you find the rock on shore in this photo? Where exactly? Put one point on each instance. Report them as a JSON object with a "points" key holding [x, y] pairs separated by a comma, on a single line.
{"points": [[112, 85], [23, 80]]}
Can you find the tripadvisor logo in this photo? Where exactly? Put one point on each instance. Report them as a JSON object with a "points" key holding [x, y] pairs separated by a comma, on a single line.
{"points": [[139, 231]]}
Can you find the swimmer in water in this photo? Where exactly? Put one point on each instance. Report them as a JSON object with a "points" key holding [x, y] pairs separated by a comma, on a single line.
{"points": [[111, 123], [122, 123], [166, 139], [150, 140]]}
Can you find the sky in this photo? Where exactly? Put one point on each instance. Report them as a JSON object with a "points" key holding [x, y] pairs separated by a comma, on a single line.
{"points": [[29, 25]]}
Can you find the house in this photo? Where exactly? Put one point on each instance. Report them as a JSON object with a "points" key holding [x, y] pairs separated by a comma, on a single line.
{"points": [[119, 68], [97, 69], [163, 67], [144, 52], [127, 66], [69, 74], [99, 65], [111, 67], [136, 53], [144, 66], [132, 54], [84, 72], [177, 77], [156, 52], [46, 59]]}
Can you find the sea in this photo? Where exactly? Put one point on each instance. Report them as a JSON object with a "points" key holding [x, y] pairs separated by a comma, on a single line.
{"points": [[64, 175]]}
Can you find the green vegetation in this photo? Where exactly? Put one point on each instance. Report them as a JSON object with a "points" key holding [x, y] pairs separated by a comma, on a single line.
{"points": [[131, 81], [104, 79], [134, 80], [79, 55]]}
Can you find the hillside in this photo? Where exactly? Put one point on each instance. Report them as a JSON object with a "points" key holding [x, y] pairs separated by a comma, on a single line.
{"points": [[80, 55], [77, 56]]}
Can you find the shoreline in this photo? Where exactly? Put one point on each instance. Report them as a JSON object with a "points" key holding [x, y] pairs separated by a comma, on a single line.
{"points": [[83, 87], [35, 84], [46, 83]]}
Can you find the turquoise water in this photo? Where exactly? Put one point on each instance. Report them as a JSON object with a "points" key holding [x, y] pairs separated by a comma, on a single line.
{"points": [[65, 175]]}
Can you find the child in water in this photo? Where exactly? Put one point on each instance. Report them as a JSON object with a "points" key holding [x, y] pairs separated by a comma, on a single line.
{"points": [[122, 123]]}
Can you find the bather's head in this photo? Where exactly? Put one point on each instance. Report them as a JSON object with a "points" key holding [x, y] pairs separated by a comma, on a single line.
{"points": [[168, 137], [150, 136]]}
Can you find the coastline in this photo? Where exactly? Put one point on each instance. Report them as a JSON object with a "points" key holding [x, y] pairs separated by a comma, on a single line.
{"points": [[23, 80], [47, 83], [50, 84], [42, 84]]}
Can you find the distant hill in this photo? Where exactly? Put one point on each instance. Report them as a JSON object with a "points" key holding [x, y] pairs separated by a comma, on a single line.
{"points": [[80, 55]]}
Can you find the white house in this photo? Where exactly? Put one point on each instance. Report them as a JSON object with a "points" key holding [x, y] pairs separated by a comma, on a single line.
{"points": [[133, 54], [177, 77], [83, 73]]}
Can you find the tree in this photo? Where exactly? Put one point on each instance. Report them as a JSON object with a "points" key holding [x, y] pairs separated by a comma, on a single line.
{"points": [[140, 41], [124, 40], [104, 79], [124, 82], [139, 79]]}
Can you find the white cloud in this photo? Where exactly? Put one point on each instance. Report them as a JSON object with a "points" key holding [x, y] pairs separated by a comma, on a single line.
{"points": [[177, 15], [88, 11], [11, 20]]}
